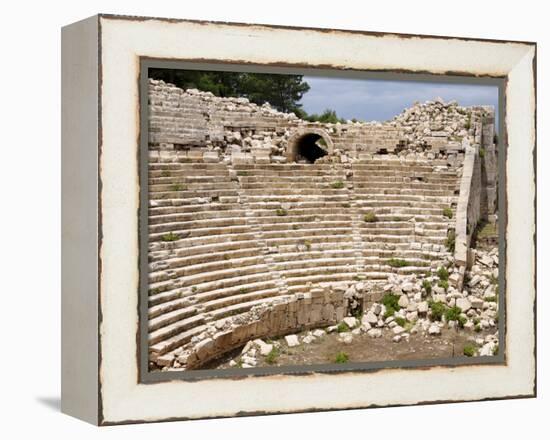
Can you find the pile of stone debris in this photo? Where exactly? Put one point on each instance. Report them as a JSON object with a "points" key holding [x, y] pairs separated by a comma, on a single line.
{"points": [[411, 305], [435, 119]]}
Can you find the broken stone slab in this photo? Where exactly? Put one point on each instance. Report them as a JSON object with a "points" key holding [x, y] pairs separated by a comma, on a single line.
{"points": [[292, 340], [434, 330], [369, 318], [474, 281], [397, 330], [211, 157], [375, 333], [463, 304], [403, 301], [319, 333], [350, 321], [476, 303], [346, 337], [264, 347]]}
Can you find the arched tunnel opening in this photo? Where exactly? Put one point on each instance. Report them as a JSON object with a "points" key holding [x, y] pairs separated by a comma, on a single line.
{"points": [[309, 147]]}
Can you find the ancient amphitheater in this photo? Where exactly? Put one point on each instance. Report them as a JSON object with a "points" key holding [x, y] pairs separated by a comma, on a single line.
{"points": [[262, 225]]}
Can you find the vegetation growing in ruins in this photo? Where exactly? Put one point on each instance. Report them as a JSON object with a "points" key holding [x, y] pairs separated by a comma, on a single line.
{"points": [[482, 152], [307, 244], [462, 321], [443, 273], [178, 187], [391, 302], [242, 173], [370, 217], [453, 313], [468, 123], [272, 356], [398, 262], [342, 328], [341, 358], [444, 284], [427, 286], [170, 236], [282, 212], [469, 350], [450, 241], [337, 185], [400, 321], [448, 212], [438, 309]]}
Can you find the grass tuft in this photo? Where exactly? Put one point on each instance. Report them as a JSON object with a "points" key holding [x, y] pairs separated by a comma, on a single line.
{"points": [[341, 358], [170, 236], [469, 350], [370, 217], [397, 262], [448, 212]]}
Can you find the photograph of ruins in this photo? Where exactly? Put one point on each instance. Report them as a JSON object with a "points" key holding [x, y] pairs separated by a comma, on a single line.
{"points": [[302, 220]]}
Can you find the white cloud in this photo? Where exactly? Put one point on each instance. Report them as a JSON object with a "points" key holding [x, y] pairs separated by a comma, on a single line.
{"points": [[381, 100]]}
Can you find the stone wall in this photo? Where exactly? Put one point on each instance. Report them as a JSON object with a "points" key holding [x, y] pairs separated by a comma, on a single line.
{"points": [[189, 123], [320, 307]]}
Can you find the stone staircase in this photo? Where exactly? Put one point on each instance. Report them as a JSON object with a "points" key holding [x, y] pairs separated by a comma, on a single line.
{"points": [[223, 239], [205, 259]]}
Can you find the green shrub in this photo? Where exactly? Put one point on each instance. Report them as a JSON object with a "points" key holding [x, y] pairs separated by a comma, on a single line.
{"points": [[438, 309], [443, 283], [400, 321], [307, 244], [469, 350], [448, 212], [272, 356], [281, 212], [482, 152], [341, 358], [342, 328], [491, 299], [370, 217], [450, 241], [242, 173], [391, 302], [462, 321], [427, 286], [453, 313], [177, 187], [170, 236], [478, 328], [337, 185], [397, 262], [495, 350], [468, 123], [443, 273]]}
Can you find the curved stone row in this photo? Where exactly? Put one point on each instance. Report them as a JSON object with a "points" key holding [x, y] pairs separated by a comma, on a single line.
{"points": [[226, 240]]}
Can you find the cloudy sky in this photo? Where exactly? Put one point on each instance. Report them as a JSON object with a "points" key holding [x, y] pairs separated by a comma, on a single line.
{"points": [[381, 100]]}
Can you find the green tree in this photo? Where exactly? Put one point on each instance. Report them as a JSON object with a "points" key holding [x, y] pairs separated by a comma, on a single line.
{"points": [[282, 91]]}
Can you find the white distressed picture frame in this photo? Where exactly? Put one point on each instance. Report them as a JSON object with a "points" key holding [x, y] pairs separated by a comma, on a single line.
{"points": [[101, 129]]}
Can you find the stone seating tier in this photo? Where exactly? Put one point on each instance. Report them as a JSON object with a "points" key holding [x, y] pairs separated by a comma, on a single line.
{"points": [[223, 238]]}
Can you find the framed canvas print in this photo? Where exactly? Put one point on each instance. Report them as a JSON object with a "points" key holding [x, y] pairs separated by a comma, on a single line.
{"points": [[262, 219]]}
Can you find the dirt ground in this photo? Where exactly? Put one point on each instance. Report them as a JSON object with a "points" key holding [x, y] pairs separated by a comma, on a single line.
{"points": [[362, 349]]}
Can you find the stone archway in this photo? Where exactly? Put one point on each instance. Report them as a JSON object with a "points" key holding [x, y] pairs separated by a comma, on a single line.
{"points": [[309, 144]]}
